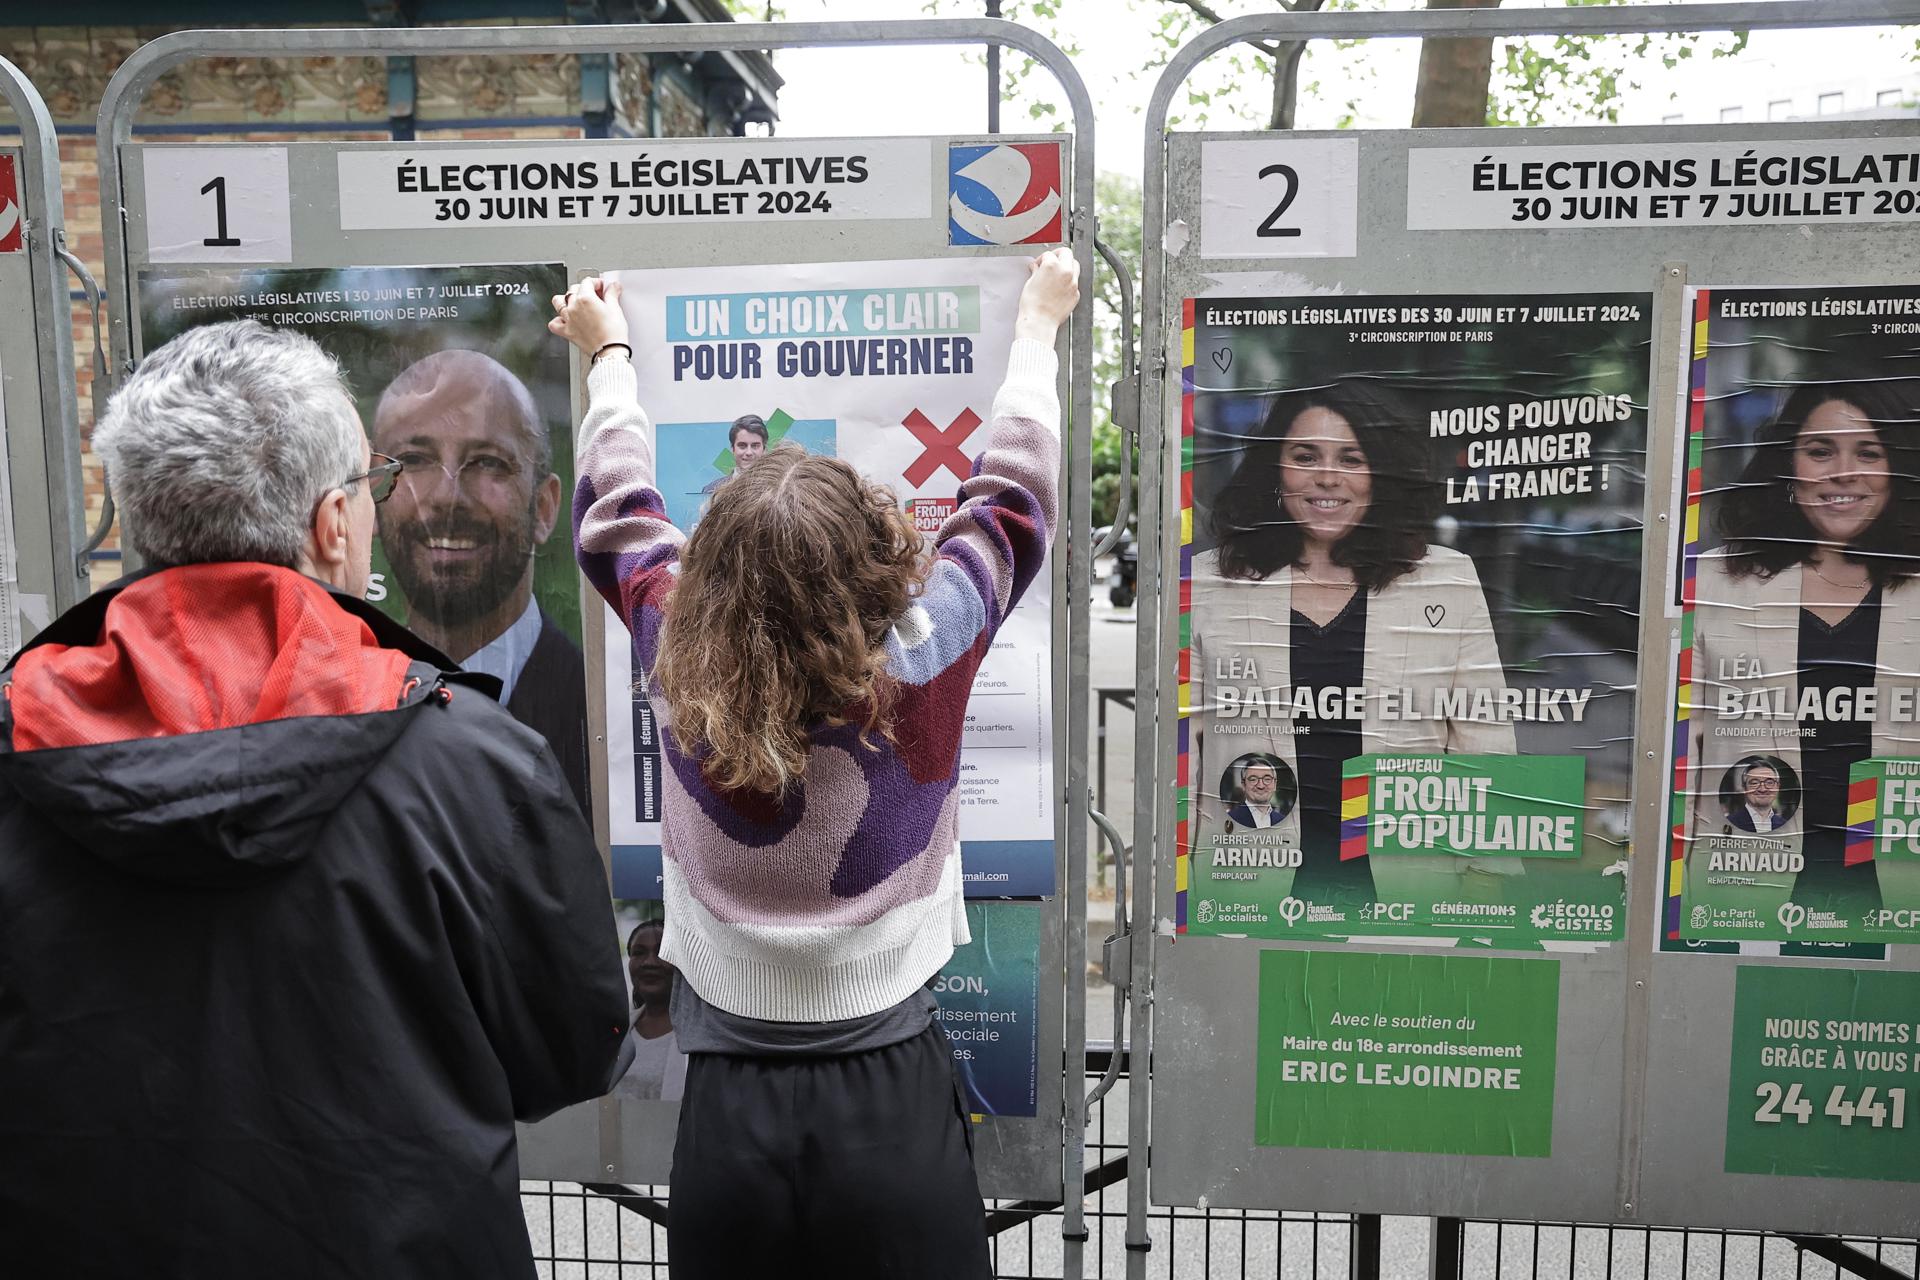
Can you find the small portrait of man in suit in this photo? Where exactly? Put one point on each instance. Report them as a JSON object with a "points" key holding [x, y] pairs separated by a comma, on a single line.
{"points": [[1260, 792], [1760, 795], [747, 439]]}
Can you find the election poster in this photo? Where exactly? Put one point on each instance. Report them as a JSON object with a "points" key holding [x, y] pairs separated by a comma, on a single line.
{"points": [[1795, 820], [454, 375], [1433, 1053], [1410, 580], [1825, 1064], [892, 367], [987, 998]]}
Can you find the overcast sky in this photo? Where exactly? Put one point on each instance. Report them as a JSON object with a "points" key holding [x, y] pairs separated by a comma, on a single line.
{"points": [[857, 92]]}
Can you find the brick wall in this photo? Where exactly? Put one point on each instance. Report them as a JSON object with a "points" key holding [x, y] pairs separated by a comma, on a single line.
{"points": [[303, 100]]}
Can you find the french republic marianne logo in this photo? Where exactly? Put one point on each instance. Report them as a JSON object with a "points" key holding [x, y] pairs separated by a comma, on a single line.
{"points": [[11, 218], [1004, 193]]}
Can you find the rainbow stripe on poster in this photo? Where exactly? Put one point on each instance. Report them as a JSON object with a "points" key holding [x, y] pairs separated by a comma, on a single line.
{"points": [[1183, 791], [1689, 576], [1863, 814], [1354, 811]]}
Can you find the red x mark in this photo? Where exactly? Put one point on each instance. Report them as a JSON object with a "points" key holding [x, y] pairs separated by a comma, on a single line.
{"points": [[943, 447]]}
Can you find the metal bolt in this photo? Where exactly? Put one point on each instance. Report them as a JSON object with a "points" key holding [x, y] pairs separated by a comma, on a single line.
{"points": [[610, 1170]]}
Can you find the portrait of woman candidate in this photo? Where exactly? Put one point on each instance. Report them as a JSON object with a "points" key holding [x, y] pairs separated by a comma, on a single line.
{"points": [[1811, 590], [1324, 576], [1759, 796]]}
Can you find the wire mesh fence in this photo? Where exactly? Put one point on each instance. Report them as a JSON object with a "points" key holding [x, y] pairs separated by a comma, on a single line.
{"points": [[593, 1232]]}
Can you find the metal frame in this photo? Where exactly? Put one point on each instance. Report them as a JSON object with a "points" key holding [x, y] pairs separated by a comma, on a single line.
{"points": [[130, 83], [46, 245], [1156, 733]]}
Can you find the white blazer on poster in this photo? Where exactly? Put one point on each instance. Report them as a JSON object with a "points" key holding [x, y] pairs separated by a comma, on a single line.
{"points": [[1428, 631]]}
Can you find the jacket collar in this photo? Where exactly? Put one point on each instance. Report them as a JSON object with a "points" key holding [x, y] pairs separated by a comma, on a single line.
{"points": [[82, 623]]}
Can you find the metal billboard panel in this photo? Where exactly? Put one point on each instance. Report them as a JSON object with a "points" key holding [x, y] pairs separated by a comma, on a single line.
{"points": [[1640, 1110], [42, 550], [630, 1141]]}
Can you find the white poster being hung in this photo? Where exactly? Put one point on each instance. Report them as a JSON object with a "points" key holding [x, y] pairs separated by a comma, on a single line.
{"points": [[891, 366]]}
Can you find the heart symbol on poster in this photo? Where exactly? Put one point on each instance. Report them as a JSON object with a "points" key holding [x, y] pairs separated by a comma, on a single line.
{"points": [[1435, 612], [1222, 359]]}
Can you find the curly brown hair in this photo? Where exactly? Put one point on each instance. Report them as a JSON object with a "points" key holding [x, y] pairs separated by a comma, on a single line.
{"points": [[778, 624]]}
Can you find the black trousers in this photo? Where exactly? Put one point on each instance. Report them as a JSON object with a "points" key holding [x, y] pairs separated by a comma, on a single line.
{"points": [[850, 1167]]}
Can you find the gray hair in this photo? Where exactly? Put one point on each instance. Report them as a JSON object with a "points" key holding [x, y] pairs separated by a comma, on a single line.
{"points": [[223, 441]]}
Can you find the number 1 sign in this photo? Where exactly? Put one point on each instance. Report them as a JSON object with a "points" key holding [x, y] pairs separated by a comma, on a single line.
{"points": [[218, 204], [1280, 198]]}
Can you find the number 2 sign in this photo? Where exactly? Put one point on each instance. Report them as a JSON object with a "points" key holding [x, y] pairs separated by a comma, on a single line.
{"points": [[1280, 198], [217, 204]]}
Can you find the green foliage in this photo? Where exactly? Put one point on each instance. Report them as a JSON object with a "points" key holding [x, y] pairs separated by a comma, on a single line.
{"points": [[1542, 80], [1566, 79], [1536, 81]]}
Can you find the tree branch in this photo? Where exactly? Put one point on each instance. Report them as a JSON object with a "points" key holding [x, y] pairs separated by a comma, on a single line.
{"points": [[1214, 16], [1286, 70]]}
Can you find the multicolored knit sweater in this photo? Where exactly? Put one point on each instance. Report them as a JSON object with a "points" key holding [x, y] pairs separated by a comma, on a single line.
{"points": [[843, 899]]}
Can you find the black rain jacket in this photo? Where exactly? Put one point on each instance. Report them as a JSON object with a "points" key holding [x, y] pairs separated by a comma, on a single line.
{"points": [[294, 922]]}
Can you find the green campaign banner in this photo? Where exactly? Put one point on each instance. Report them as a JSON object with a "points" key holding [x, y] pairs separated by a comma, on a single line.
{"points": [[1823, 1074], [1473, 846], [1445, 1054]]}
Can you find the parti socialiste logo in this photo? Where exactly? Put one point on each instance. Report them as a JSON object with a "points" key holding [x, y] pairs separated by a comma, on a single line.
{"points": [[1004, 193]]}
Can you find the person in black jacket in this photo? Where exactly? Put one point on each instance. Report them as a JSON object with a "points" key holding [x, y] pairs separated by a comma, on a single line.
{"points": [[295, 920], [477, 501]]}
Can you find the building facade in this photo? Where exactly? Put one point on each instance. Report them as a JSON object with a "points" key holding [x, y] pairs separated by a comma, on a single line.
{"points": [[604, 95]]}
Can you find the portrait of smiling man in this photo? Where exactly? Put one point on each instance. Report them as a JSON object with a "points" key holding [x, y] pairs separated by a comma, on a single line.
{"points": [[747, 442], [476, 501]]}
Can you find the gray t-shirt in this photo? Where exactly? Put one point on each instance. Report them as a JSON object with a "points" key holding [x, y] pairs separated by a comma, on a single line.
{"points": [[701, 1028]]}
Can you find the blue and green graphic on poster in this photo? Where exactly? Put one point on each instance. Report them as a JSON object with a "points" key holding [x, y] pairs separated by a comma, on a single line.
{"points": [[989, 996]]}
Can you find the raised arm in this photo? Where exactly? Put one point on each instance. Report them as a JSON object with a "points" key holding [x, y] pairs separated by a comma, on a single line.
{"points": [[625, 544], [997, 541]]}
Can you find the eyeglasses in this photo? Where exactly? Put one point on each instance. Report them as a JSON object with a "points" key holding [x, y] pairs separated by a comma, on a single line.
{"points": [[381, 477], [483, 472]]}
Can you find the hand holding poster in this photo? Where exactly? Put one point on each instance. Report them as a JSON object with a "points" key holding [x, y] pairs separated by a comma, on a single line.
{"points": [[1413, 563], [1797, 697]]}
